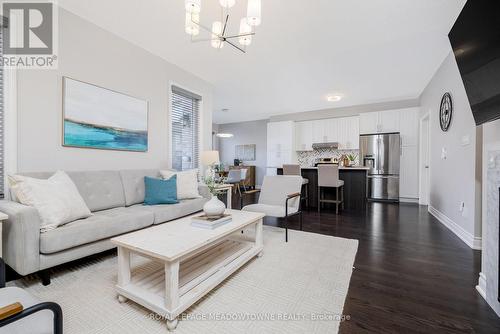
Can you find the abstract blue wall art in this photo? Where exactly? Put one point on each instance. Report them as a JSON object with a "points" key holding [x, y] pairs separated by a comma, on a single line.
{"points": [[99, 118]]}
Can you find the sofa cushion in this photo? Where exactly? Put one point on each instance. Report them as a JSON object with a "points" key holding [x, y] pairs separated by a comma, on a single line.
{"points": [[102, 225], [167, 212], [100, 190], [160, 191], [133, 184], [57, 199]]}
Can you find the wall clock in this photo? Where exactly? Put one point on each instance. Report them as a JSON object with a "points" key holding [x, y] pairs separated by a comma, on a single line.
{"points": [[445, 112]]}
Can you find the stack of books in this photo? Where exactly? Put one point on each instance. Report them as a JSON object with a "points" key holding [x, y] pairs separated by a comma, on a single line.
{"points": [[210, 223]]}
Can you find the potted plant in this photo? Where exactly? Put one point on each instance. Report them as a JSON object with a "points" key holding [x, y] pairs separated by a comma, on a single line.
{"points": [[352, 159], [214, 207]]}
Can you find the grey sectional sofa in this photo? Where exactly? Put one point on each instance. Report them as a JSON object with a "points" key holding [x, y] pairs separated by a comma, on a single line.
{"points": [[115, 199]]}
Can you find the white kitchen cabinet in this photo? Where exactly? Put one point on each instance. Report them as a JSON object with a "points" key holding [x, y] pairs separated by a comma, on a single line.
{"points": [[331, 129], [352, 142], [280, 143], [408, 126], [408, 174], [379, 122], [303, 136], [388, 121], [319, 131], [368, 123]]}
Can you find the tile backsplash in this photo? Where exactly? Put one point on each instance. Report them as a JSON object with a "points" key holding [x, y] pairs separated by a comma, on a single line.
{"points": [[308, 158]]}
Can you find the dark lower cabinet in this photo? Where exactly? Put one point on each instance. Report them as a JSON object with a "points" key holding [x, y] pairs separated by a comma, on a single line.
{"points": [[354, 187]]}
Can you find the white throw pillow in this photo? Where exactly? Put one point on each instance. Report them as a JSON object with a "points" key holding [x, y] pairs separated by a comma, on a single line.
{"points": [[57, 199], [187, 183]]}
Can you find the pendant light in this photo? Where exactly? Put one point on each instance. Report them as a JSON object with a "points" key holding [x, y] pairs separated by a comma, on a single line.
{"points": [[245, 28], [216, 32], [227, 3], [193, 6], [192, 21], [254, 12]]}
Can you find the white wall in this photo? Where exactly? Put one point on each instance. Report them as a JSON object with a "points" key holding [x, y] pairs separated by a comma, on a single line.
{"points": [[254, 132], [452, 180], [91, 54]]}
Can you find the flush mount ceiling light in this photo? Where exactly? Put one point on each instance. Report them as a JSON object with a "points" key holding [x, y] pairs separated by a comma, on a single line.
{"points": [[218, 33], [334, 98], [225, 135]]}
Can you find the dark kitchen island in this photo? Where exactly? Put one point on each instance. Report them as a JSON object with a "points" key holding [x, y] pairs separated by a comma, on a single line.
{"points": [[354, 186]]}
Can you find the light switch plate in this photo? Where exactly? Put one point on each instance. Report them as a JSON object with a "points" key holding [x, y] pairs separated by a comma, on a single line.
{"points": [[443, 153], [465, 140]]}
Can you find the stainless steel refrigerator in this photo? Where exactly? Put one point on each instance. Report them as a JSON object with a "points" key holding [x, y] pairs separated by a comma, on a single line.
{"points": [[381, 152]]}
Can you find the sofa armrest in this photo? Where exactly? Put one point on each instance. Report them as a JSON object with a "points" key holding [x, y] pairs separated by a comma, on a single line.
{"points": [[21, 237], [203, 190]]}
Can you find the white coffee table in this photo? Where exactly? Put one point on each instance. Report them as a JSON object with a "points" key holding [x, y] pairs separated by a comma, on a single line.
{"points": [[187, 262]]}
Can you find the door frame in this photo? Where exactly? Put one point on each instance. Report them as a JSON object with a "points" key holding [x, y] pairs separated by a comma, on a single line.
{"points": [[424, 198]]}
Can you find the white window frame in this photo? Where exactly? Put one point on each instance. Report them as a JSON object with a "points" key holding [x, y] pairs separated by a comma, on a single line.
{"points": [[201, 127]]}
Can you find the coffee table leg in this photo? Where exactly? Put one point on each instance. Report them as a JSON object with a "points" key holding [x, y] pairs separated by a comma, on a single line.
{"points": [[123, 270], [258, 235], [171, 291]]}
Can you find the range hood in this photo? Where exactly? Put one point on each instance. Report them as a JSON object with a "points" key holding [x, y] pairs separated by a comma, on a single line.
{"points": [[330, 145]]}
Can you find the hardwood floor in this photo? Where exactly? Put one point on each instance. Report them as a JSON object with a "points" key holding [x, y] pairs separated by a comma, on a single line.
{"points": [[412, 275]]}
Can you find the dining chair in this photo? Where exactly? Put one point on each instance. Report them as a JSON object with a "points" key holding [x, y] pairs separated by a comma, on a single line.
{"points": [[328, 177], [295, 169], [234, 178], [279, 197], [244, 172]]}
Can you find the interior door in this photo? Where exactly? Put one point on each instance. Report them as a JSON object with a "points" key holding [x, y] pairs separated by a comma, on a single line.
{"points": [[424, 162]]}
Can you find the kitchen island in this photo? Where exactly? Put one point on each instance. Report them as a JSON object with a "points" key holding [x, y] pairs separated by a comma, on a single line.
{"points": [[355, 184]]}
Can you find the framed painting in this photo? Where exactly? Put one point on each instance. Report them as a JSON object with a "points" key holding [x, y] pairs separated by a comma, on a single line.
{"points": [[245, 152], [99, 118]]}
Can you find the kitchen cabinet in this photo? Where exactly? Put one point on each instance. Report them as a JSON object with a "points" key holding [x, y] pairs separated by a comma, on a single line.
{"points": [[348, 134], [408, 126], [408, 175], [379, 122], [344, 131], [280, 143], [368, 123], [388, 121], [303, 136]]}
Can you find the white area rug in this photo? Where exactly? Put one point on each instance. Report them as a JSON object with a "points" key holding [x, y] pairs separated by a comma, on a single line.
{"points": [[295, 287]]}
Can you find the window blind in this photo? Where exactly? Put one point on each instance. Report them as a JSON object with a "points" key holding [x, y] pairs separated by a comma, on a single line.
{"points": [[185, 129], [2, 141]]}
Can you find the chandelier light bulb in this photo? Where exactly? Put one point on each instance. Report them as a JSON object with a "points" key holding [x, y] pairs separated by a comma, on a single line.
{"points": [[227, 3], [245, 28], [216, 32], [193, 6], [254, 12], [192, 20]]}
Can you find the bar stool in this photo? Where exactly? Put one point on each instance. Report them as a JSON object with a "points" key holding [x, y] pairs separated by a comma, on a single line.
{"points": [[296, 170], [328, 177]]}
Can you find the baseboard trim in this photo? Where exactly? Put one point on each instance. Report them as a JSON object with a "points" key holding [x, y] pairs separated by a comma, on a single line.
{"points": [[408, 200], [481, 285], [468, 238]]}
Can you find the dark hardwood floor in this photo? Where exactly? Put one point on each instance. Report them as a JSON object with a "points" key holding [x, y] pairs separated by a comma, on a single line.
{"points": [[412, 275]]}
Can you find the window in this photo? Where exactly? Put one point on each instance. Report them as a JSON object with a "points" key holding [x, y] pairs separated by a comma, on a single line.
{"points": [[185, 129], [2, 142]]}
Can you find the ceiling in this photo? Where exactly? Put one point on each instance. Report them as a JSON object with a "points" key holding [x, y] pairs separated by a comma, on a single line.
{"points": [[369, 51]]}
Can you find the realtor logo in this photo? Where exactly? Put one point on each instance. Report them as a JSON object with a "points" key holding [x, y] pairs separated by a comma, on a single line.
{"points": [[29, 34]]}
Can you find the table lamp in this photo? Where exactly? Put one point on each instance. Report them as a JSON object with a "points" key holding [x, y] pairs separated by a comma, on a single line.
{"points": [[209, 159]]}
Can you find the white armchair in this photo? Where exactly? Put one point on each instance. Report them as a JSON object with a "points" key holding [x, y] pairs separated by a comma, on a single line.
{"points": [[279, 197]]}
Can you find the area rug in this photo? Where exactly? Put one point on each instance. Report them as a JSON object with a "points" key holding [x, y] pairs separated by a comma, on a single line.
{"points": [[295, 287]]}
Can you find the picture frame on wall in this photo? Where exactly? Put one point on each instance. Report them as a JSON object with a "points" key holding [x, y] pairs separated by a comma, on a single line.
{"points": [[245, 152], [95, 117]]}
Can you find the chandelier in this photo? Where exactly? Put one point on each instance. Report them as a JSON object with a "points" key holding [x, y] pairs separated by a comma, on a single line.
{"points": [[219, 34]]}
